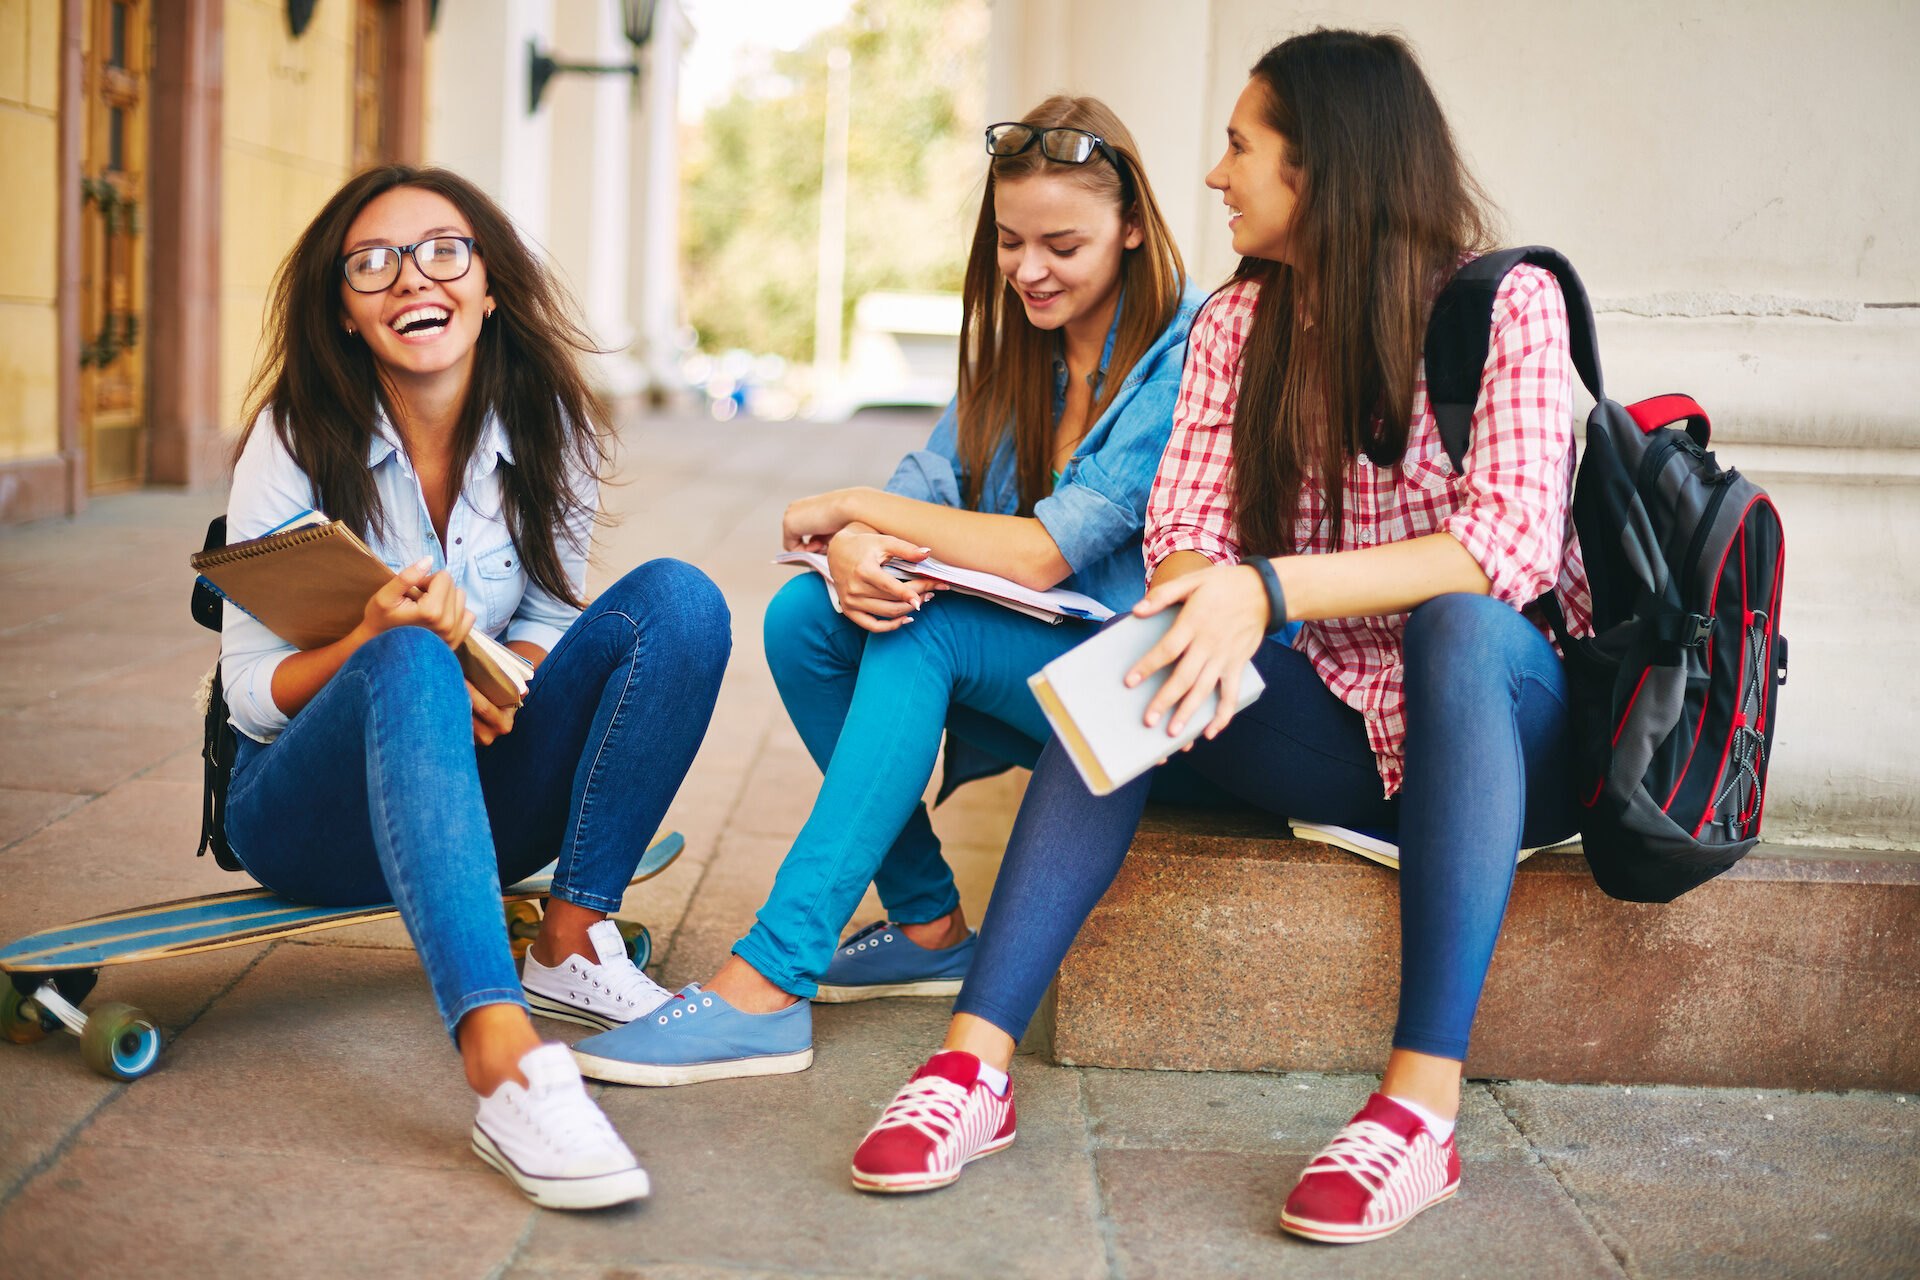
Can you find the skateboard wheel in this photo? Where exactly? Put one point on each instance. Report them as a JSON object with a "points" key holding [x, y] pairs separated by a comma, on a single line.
{"points": [[20, 1017], [523, 926], [120, 1042], [639, 941]]}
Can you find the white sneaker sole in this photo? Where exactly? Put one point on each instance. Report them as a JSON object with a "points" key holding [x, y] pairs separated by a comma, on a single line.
{"points": [[893, 1183], [852, 995], [1338, 1233], [550, 1007], [597, 1191], [660, 1075]]}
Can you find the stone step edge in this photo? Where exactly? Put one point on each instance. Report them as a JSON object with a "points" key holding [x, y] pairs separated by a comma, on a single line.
{"points": [[1214, 832]]}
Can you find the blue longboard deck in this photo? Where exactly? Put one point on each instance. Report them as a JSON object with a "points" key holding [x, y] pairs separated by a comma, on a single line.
{"points": [[233, 919]]}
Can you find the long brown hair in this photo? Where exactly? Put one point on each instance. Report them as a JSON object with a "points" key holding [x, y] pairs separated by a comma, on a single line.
{"points": [[1006, 364], [323, 387], [1384, 210]]}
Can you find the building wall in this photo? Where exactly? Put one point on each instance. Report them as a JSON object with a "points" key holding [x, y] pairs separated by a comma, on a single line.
{"points": [[1738, 184], [287, 145], [29, 210]]}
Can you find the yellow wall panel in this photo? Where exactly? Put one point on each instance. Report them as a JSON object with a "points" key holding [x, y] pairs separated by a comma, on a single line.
{"points": [[29, 206], [15, 40], [43, 55], [288, 145], [29, 427]]}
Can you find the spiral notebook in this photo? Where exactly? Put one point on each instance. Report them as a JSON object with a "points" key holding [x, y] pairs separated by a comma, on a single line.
{"points": [[309, 582]]}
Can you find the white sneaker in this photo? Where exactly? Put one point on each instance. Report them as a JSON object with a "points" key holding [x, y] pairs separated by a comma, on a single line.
{"points": [[609, 994], [552, 1140]]}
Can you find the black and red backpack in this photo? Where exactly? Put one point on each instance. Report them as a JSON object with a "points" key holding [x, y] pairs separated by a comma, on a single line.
{"points": [[1672, 698]]}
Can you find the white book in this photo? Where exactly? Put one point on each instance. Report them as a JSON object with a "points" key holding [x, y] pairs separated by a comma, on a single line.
{"points": [[1101, 722], [1051, 606]]}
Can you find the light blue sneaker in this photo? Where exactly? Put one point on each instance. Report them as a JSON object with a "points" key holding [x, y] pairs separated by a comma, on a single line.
{"points": [[698, 1036], [882, 961]]}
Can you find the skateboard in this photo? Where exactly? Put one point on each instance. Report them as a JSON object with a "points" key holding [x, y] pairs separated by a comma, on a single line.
{"points": [[52, 971]]}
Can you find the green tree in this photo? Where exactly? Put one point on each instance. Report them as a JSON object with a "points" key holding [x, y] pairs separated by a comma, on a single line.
{"points": [[914, 169]]}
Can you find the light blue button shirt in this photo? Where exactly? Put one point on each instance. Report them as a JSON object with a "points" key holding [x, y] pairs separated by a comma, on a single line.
{"points": [[270, 488], [1098, 508]]}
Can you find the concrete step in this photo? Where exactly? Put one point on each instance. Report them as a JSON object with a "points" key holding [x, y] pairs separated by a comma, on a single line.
{"points": [[1226, 945]]}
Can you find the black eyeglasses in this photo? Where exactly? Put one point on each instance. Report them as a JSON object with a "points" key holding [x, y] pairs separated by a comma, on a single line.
{"points": [[374, 269], [1068, 146]]}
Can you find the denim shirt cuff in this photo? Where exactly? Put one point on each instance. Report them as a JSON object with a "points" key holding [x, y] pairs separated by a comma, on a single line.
{"points": [[1085, 524]]}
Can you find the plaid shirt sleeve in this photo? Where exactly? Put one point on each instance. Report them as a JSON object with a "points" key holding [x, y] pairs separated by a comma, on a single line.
{"points": [[1190, 507], [1518, 472]]}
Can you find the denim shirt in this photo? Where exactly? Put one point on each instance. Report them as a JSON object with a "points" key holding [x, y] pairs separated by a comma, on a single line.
{"points": [[1098, 508], [270, 488]]}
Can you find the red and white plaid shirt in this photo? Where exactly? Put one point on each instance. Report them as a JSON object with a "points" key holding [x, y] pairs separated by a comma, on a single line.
{"points": [[1509, 509]]}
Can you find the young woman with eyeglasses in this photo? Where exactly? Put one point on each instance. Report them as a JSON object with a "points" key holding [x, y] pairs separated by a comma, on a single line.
{"points": [[422, 384], [1075, 323], [1417, 694]]}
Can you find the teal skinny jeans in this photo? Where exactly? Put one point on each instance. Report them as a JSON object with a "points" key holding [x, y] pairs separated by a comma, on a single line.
{"points": [[871, 710]]}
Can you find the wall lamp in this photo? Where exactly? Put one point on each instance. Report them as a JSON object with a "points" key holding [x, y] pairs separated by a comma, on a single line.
{"points": [[636, 21]]}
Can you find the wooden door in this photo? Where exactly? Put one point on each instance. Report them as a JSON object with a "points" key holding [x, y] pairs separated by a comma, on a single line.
{"points": [[371, 22], [113, 275]]}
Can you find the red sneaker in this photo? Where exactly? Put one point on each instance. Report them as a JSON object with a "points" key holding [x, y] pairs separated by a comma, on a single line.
{"points": [[943, 1118], [1371, 1180]]}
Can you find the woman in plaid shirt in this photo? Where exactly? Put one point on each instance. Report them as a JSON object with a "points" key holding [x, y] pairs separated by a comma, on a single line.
{"points": [[1417, 696]]}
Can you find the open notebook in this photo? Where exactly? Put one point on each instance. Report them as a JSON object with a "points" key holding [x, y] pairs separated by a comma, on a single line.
{"points": [[308, 582], [1052, 606]]}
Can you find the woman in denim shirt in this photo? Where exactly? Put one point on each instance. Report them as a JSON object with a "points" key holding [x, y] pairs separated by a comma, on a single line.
{"points": [[422, 386], [1039, 471]]}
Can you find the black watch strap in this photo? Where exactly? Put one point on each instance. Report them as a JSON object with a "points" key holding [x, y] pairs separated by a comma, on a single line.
{"points": [[1276, 598]]}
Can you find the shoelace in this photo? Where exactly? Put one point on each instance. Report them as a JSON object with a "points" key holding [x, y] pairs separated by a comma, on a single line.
{"points": [[1366, 1149], [924, 1104], [624, 982], [564, 1118]]}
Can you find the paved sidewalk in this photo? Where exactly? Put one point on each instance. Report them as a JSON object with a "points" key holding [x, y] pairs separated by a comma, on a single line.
{"points": [[308, 1117]]}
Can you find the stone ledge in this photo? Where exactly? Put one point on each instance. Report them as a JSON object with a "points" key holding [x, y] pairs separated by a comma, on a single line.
{"points": [[1225, 945]]}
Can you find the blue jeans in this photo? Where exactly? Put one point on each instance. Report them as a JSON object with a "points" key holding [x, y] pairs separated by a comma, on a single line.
{"points": [[871, 709], [376, 791], [1486, 753]]}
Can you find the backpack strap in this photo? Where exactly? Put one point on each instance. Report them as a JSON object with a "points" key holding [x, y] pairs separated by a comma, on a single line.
{"points": [[1461, 327], [206, 601]]}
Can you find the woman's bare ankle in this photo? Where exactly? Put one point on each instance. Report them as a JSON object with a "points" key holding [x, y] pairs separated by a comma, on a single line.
{"points": [[977, 1036], [940, 933], [493, 1038], [742, 986], [563, 932]]}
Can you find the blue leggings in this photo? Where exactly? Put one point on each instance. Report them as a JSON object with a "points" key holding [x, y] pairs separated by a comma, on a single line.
{"points": [[871, 709], [376, 792], [1486, 752]]}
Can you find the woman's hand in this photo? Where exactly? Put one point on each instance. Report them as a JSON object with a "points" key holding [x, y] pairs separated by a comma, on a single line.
{"points": [[809, 522], [870, 597], [414, 599], [489, 722], [1223, 618]]}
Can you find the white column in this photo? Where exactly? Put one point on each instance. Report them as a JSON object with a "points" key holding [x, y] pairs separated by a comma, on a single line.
{"points": [[653, 274], [481, 128]]}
